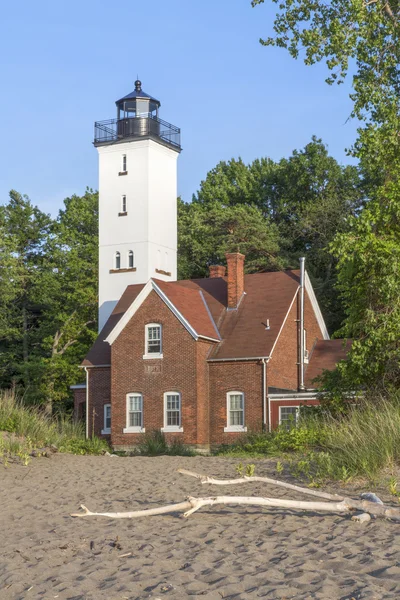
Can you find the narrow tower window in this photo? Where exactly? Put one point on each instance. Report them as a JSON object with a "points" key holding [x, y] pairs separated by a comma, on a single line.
{"points": [[123, 204], [117, 260], [130, 259], [124, 163]]}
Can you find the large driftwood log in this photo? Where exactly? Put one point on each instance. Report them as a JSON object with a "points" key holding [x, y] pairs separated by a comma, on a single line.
{"points": [[371, 505], [193, 504]]}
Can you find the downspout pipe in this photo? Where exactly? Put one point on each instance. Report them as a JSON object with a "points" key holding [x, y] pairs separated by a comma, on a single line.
{"points": [[87, 403], [301, 328], [264, 394]]}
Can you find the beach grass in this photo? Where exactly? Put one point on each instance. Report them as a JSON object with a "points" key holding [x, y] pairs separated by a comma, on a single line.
{"points": [[363, 443], [25, 428]]}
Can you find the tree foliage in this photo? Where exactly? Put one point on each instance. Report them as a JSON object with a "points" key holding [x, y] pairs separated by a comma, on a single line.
{"points": [[362, 36], [48, 300]]}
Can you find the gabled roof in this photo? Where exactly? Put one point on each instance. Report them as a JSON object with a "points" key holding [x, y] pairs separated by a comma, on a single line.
{"points": [[325, 355], [187, 305], [200, 305]]}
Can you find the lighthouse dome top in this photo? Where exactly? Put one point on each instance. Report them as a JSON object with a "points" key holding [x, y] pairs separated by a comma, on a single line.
{"points": [[138, 93]]}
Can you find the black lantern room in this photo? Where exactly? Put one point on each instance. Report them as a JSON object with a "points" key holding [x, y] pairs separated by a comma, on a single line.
{"points": [[137, 117], [137, 104]]}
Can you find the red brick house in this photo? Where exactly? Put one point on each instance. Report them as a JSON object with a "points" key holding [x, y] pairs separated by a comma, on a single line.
{"points": [[206, 359]]}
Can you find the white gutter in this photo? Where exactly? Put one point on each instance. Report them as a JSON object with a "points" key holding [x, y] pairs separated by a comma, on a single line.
{"points": [[301, 332], [87, 403], [238, 359]]}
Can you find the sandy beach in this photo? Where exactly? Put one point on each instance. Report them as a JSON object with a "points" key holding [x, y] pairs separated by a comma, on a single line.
{"points": [[221, 552]]}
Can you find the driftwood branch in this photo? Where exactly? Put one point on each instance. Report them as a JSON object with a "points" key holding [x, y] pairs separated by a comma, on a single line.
{"points": [[253, 478]]}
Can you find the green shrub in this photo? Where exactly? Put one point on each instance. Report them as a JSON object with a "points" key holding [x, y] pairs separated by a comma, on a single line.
{"points": [[93, 445], [154, 443]]}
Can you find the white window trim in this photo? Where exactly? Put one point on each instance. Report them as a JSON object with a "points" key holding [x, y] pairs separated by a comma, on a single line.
{"points": [[129, 429], [297, 407], [105, 430], [235, 428], [147, 356], [172, 428]]}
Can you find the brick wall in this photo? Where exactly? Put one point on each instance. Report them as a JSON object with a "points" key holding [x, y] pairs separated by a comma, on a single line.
{"points": [[283, 367], [180, 370], [79, 403], [99, 395], [275, 404], [243, 377]]}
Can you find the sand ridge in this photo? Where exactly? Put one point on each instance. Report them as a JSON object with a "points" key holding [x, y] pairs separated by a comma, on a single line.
{"points": [[221, 552]]}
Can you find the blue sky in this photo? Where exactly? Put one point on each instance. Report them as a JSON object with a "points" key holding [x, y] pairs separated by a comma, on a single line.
{"points": [[65, 63]]}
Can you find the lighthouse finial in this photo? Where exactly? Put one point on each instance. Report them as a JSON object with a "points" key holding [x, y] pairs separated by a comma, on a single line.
{"points": [[138, 85]]}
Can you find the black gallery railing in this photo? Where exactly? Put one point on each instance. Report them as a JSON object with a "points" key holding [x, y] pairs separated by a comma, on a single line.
{"points": [[145, 125]]}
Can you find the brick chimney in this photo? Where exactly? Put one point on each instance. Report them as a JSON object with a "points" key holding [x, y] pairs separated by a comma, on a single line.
{"points": [[216, 271], [235, 262]]}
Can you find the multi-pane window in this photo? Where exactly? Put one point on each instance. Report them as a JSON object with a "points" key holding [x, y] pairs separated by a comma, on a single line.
{"points": [[117, 260], [235, 409], [124, 163], [172, 409], [153, 338], [107, 418], [130, 259], [123, 204], [288, 416], [135, 411]]}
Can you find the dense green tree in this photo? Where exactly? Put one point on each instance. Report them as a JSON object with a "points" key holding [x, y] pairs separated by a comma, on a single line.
{"points": [[67, 292], [206, 233], [367, 34], [48, 295], [24, 230]]}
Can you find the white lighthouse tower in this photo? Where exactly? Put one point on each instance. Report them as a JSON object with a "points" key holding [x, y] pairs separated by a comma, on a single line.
{"points": [[137, 198]]}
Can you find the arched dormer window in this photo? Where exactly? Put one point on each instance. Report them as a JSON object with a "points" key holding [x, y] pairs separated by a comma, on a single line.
{"points": [[117, 260], [131, 262]]}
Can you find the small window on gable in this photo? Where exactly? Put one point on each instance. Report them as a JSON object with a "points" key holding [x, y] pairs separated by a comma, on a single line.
{"points": [[134, 413], [288, 416], [123, 204], [130, 259], [172, 412], [107, 419], [124, 163], [117, 260], [235, 412], [153, 336]]}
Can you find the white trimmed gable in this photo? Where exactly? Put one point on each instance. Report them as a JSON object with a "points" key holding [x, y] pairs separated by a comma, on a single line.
{"points": [[137, 303], [316, 308]]}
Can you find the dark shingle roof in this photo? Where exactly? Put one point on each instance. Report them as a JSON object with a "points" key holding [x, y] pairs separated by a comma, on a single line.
{"points": [[326, 355]]}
